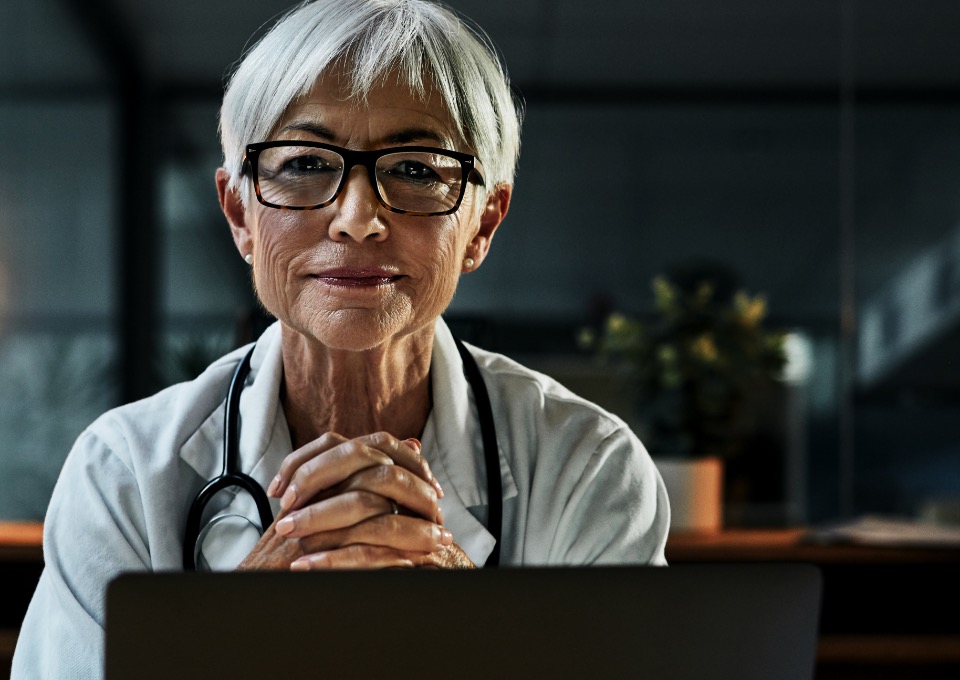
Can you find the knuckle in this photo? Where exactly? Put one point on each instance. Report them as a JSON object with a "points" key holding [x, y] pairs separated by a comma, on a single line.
{"points": [[380, 438], [307, 516], [363, 551], [305, 471], [287, 466], [353, 447], [424, 467], [321, 560], [384, 475], [327, 441], [368, 502]]}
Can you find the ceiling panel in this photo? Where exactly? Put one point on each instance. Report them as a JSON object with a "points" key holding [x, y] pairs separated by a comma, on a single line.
{"points": [[696, 42], [552, 43], [915, 42], [41, 45]]}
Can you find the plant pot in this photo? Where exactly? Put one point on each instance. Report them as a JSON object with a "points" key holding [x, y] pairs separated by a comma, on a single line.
{"points": [[695, 489]]}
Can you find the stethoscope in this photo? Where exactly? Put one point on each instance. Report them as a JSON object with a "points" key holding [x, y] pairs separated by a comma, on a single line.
{"points": [[231, 476]]}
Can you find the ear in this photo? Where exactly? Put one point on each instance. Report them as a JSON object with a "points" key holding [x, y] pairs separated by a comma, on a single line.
{"points": [[495, 209], [233, 210]]}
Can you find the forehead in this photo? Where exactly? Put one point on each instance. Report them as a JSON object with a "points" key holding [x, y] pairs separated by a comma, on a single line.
{"points": [[389, 108]]}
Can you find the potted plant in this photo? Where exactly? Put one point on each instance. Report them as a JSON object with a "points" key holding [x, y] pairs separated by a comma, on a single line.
{"points": [[698, 364]]}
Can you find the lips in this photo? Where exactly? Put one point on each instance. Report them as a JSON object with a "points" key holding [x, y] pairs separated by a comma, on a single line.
{"points": [[357, 277]]}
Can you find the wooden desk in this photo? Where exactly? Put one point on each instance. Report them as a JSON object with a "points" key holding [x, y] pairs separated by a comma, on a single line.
{"points": [[879, 613], [21, 561], [878, 619]]}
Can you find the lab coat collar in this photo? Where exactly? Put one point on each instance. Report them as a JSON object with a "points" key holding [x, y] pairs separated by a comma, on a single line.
{"points": [[453, 446], [264, 435]]}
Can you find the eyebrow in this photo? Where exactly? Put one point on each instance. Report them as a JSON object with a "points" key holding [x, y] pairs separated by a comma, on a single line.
{"points": [[315, 129], [415, 135], [400, 137]]}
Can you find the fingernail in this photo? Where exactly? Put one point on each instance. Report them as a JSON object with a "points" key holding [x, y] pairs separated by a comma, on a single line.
{"points": [[289, 498], [415, 443], [286, 525], [274, 487], [439, 516], [446, 538], [300, 564], [436, 485]]}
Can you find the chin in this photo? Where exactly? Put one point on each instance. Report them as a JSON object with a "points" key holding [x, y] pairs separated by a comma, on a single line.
{"points": [[353, 330]]}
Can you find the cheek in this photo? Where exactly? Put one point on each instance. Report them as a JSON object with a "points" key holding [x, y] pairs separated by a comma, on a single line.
{"points": [[446, 261], [275, 246]]}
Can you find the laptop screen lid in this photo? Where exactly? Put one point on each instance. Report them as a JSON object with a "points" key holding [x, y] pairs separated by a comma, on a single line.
{"points": [[689, 621]]}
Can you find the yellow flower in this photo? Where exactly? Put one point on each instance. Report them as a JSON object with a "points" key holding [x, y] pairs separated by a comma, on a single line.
{"points": [[705, 348], [616, 323], [664, 294], [667, 354], [704, 292], [750, 311]]}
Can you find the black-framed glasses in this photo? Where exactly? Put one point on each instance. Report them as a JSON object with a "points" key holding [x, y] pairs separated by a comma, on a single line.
{"points": [[411, 180]]}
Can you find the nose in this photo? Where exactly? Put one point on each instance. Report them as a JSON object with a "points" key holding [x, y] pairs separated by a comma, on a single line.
{"points": [[357, 214]]}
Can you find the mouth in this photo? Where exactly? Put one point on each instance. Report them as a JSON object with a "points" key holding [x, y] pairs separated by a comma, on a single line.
{"points": [[349, 277]]}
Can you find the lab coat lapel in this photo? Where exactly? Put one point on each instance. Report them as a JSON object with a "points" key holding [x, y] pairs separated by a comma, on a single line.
{"points": [[264, 441], [454, 447], [261, 418]]}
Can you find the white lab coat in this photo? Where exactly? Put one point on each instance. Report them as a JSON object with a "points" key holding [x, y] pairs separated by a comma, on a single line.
{"points": [[578, 487]]}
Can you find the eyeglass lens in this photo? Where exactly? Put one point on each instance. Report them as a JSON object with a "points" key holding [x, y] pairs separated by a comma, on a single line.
{"points": [[413, 181]]}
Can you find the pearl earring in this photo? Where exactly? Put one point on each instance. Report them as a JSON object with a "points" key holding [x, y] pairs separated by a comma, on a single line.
{"points": [[248, 258], [468, 262]]}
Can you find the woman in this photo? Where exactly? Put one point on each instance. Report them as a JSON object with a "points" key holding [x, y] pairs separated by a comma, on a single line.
{"points": [[369, 154]]}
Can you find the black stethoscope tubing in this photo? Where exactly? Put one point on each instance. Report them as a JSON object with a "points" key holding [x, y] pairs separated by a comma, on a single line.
{"points": [[231, 476], [491, 453]]}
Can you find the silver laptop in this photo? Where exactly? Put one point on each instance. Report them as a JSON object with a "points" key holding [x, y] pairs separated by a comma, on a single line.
{"points": [[689, 621]]}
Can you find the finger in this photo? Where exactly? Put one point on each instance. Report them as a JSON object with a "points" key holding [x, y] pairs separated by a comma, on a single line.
{"points": [[332, 467], [393, 531], [406, 454], [296, 459], [354, 557], [336, 512], [396, 484]]}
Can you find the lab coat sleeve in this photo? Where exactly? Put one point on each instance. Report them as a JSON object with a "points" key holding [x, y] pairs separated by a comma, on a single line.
{"points": [[94, 529], [613, 507]]}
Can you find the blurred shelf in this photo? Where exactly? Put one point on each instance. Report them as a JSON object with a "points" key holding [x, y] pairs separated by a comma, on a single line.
{"points": [[21, 541], [794, 545], [889, 649]]}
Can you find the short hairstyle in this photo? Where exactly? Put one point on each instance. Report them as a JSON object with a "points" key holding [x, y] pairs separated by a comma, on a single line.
{"points": [[375, 38]]}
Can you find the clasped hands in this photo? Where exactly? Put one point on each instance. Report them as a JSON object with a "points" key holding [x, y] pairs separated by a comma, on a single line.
{"points": [[368, 502]]}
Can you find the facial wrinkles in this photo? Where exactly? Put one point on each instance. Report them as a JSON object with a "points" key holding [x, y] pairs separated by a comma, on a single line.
{"points": [[275, 255], [368, 123], [292, 245]]}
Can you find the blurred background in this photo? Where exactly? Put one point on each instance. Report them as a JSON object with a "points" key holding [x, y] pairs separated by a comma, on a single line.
{"points": [[807, 150]]}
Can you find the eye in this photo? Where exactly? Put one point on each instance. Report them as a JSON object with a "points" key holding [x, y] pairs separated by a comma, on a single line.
{"points": [[307, 164], [413, 170]]}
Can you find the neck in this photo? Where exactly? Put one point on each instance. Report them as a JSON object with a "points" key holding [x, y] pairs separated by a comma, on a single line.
{"points": [[386, 388]]}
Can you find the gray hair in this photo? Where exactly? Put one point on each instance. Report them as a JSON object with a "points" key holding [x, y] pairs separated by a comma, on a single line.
{"points": [[375, 38]]}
